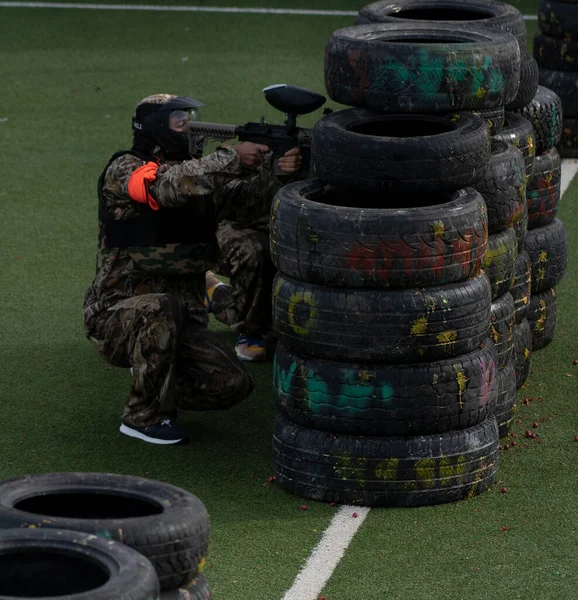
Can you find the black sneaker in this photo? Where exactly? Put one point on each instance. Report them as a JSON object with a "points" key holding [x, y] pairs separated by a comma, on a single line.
{"points": [[163, 433]]}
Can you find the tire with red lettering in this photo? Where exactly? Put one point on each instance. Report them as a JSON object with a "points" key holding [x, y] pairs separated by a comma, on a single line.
{"points": [[506, 405], [339, 238], [542, 316], [522, 356], [377, 326], [543, 191], [386, 400]]}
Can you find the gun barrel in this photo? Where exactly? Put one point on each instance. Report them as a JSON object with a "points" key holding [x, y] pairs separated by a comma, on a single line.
{"points": [[216, 130]]}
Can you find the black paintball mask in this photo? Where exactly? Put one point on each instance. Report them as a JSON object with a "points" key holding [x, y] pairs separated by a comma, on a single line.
{"points": [[161, 121]]}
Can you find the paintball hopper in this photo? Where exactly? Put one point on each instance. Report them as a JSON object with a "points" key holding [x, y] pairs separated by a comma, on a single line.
{"points": [[293, 101]]}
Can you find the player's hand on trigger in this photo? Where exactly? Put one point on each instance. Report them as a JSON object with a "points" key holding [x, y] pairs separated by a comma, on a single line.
{"points": [[290, 162], [250, 154]]}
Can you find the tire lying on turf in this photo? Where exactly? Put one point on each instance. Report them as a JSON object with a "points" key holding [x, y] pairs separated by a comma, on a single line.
{"points": [[506, 405], [520, 133], [360, 150], [565, 85], [503, 186], [543, 192], [545, 114], [500, 261], [385, 471], [488, 13], [522, 286], [42, 563], [375, 326], [167, 525], [522, 356], [321, 234], [558, 19], [386, 400], [421, 68], [502, 321], [548, 250], [196, 589], [542, 316]]}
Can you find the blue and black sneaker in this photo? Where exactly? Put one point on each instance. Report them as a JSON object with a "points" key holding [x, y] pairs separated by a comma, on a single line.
{"points": [[163, 433]]}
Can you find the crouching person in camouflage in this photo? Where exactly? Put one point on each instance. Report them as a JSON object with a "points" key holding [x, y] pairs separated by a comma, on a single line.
{"points": [[158, 213]]}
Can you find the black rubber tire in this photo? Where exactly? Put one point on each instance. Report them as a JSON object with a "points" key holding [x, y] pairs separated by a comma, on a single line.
{"points": [[421, 68], [545, 114], [522, 285], [404, 153], [503, 320], [377, 326], [506, 406], [319, 234], [503, 186], [385, 471], [543, 192], [197, 589], [521, 226], [548, 250], [529, 81], [386, 400], [542, 316], [558, 19], [48, 563], [441, 13], [568, 145], [520, 133], [555, 54], [500, 261], [494, 117], [164, 523], [522, 356], [565, 85]]}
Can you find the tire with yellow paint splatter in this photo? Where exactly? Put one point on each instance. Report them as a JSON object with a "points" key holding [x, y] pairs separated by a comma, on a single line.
{"points": [[522, 287], [494, 117], [196, 589], [326, 235], [520, 133], [568, 146], [522, 357], [506, 406], [502, 321], [554, 53], [565, 85], [409, 399], [166, 524], [558, 19], [385, 471], [378, 326], [421, 68], [529, 77], [500, 261], [548, 250], [503, 186], [521, 227], [542, 317], [543, 192]]}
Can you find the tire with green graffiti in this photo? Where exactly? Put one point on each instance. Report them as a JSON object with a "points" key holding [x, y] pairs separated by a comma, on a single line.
{"points": [[542, 317], [421, 67], [521, 288], [500, 261], [522, 357], [383, 154], [520, 133], [196, 589], [385, 471], [543, 192], [377, 326], [383, 399], [528, 81], [548, 250], [502, 322], [554, 53], [503, 186], [568, 146], [441, 13], [545, 114], [322, 234], [565, 85], [506, 406], [558, 19]]}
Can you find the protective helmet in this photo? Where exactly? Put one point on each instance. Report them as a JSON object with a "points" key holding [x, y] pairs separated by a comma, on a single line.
{"points": [[160, 120]]}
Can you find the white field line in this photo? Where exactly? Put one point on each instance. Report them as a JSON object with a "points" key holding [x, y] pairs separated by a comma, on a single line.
{"points": [[327, 554], [207, 9], [569, 169]]}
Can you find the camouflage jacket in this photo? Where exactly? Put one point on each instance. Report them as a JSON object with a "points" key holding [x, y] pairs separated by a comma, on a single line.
{"points": [[218, 178]]}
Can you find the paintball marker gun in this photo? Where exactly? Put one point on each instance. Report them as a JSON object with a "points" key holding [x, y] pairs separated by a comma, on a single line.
{"points": [[289, 99]]}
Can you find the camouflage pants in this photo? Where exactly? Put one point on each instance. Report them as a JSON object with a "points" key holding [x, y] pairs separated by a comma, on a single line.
{"points": [[177, 363], [246, 261]]}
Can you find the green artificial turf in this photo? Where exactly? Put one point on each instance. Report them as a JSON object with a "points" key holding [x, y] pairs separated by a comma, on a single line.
{"points": [[70, 82]]}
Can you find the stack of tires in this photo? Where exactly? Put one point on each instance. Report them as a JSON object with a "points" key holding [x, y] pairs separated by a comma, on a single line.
{"points": [[101, 536], [385, 377], [556, 50]]}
